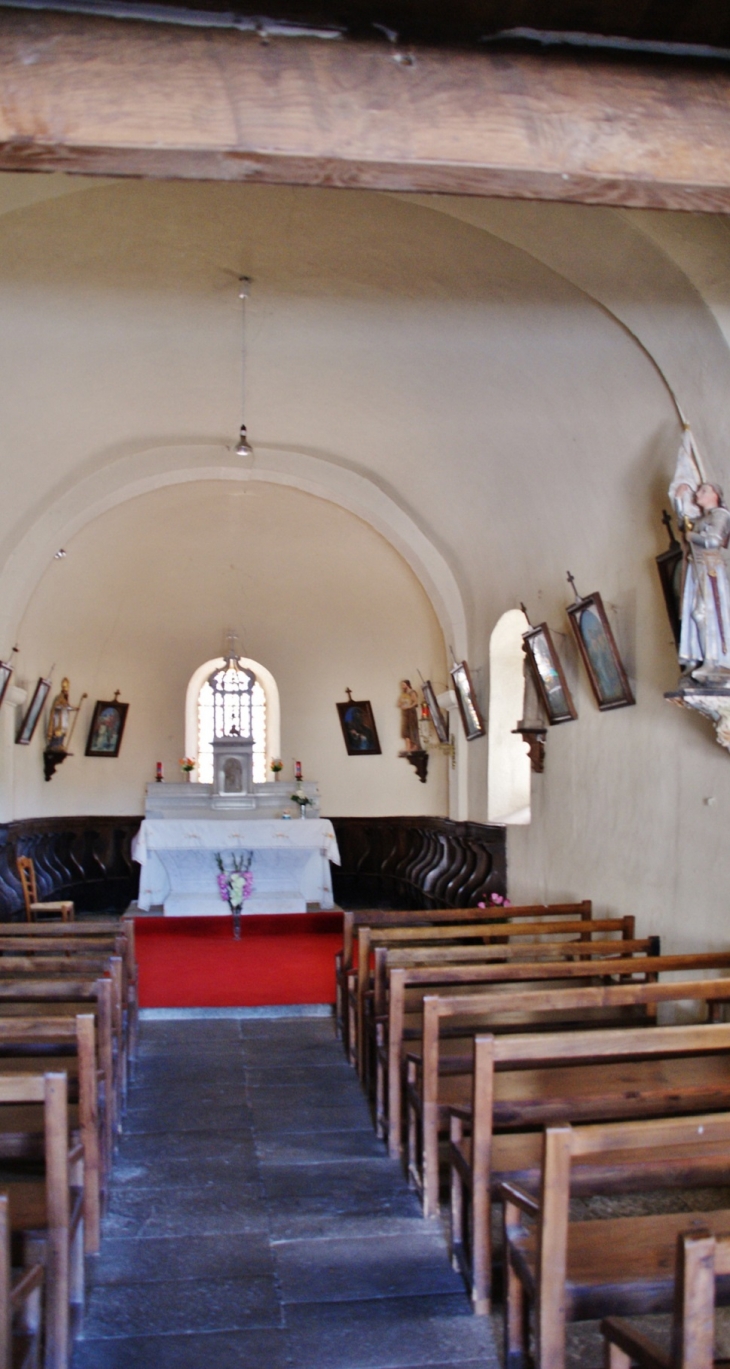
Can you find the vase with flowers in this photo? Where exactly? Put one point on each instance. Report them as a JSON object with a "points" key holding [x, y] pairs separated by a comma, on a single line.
{"points": [[300, 798], [277, 765], [235, 885], [187, 765]]}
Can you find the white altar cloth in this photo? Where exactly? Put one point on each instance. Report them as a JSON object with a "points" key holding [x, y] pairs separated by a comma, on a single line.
{"points": [[290, 867]]}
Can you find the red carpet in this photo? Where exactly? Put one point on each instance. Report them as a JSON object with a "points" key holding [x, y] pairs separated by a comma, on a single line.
{"points": [[194, 962]]}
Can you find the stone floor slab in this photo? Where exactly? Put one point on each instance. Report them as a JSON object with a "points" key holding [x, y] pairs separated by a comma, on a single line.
{"points": [[268, 1233], [411, 1265], [392, 1332], [320, 1147], [178, 1305], [223, 1350], [204, 1211], [189, 1146], [160, 1259], [161, 1119], [166, 1170]]}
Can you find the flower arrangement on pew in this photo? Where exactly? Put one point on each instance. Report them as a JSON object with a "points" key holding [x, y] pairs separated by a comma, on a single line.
{"points": [[235, 885], [496, 901]]}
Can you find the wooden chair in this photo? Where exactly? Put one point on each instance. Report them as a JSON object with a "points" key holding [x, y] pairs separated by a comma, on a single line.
{"points": [[64, 908], [701, 1260], [21, 1319], [578, 1271]]}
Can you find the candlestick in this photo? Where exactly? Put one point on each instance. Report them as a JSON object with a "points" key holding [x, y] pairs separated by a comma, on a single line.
{"points": [[158, 772], [297, 770]]}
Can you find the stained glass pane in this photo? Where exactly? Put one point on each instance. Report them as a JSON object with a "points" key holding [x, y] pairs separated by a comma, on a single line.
{"points": [[234, 700]]}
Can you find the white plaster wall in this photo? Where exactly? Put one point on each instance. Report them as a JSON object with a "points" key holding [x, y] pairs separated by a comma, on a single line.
{"points": [[499, 374], [146, 593]]}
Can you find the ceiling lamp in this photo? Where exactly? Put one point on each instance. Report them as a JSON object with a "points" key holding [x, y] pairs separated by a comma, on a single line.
{"points": [[243, 447]]}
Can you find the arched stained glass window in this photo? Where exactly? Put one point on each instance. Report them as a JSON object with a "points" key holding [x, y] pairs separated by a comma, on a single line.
{"points": [[231, 703]]}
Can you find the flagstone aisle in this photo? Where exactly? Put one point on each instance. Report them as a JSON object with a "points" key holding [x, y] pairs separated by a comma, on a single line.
{"points": [[255, 1222]]}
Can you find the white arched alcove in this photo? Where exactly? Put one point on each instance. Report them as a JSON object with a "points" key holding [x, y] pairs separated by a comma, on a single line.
{"points": [[269, 686], [116, 480], [509, 769]]}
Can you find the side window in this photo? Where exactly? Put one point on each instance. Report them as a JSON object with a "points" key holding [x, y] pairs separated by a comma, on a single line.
{"points": [[509, 769]]}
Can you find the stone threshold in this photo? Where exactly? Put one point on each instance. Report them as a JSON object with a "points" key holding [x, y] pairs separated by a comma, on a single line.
{"points": [[272, 1010]]}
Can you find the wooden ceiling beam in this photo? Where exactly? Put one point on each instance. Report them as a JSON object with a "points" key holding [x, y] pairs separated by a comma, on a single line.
{"points": [[101, 97]]}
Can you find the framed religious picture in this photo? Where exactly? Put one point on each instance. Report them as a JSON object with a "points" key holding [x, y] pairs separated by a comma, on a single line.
{"points": [[33, 712], [596, 644], [358, 727], [466, 699], [670, 564], [5, 673], [440, 720], [107, 728], [548, 675]]}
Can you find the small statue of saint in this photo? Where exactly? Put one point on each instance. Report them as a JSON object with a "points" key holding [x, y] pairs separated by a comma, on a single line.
{"points": [[59, 722], [704, 523], [408, 704]]}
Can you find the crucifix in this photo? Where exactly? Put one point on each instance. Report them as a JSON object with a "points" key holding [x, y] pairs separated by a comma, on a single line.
{"points": [[573, 586]]}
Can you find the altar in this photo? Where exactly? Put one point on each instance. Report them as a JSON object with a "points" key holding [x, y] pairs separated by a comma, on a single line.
{"points": [[182, 832]]}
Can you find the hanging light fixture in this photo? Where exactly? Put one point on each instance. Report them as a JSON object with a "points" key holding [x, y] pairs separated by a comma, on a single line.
{"points": [[243, 447]]}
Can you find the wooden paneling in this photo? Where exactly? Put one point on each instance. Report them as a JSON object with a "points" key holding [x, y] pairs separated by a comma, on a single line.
{"points": [[417, 862], [87, 859], [97, 96]]}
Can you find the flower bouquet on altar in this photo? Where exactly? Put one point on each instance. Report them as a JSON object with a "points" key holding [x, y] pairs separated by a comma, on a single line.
{"points": [[235, 885]]}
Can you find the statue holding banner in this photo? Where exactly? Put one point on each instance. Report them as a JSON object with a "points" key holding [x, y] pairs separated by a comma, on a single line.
{"points": [[704, 523]]}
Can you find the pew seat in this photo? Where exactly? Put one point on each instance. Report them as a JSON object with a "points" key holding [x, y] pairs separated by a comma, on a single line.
{"points": [[580, 1270], [701, 1259]]}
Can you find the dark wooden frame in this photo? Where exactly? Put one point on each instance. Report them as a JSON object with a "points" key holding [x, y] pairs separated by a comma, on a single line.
{"points": [[99, 706], [460, 672], [440, 720], [604, 701], [33, 712], [667, 564], [5, 673], [365, 707], [555, 715]]}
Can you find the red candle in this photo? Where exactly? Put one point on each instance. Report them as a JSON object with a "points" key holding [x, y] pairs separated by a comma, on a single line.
{"points": [[158, 772], [298, 770]]}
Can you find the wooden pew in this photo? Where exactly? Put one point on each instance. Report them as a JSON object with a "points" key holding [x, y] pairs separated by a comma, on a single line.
{"points": [[21, 1320], [411, 988], [114, 935], [517, 1009], [86, 966], [378, 917], [493, 930], [376, 1003], [54, 998], [46, 1214], [574, 1271], [525, 1081], [29, 1045], [701, 1259]]}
